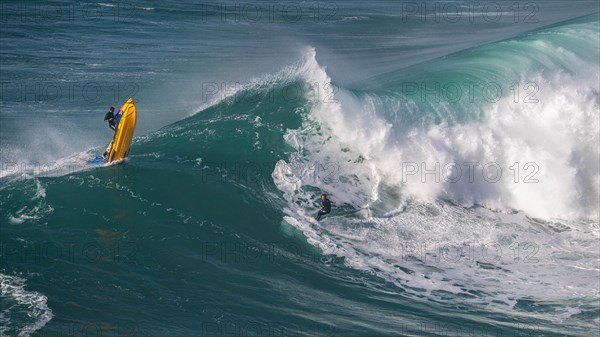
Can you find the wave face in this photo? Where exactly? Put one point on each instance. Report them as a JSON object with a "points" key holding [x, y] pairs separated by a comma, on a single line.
{"points": [[467, 190], [413, 163]]}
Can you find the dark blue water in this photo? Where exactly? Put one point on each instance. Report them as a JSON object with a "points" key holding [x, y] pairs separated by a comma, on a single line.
{"points": [[459, 141]]}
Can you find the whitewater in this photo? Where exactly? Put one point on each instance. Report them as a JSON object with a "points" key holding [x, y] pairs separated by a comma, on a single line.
{"points": [[466, 172]]}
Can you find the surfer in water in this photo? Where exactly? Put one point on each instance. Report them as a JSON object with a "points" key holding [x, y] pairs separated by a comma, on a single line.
{"points": [[110, 118], [325, 206]]}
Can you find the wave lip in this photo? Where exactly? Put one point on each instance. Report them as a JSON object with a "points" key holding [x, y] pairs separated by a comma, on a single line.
{"points": [[533, 149], [544, 205]]}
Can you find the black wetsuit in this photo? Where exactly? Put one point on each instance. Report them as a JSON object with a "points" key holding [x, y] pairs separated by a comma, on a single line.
{"points": [[110, 118], [325, 208]]}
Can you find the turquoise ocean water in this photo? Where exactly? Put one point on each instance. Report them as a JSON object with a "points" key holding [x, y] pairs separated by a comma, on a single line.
{"points": [[459, 140]]}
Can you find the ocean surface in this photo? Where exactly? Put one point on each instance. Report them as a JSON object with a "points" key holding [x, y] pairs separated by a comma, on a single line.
{"points": [[460, 141]]}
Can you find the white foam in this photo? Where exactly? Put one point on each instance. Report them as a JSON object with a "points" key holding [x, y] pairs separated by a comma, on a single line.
{"points": [[547, 151], [559, 134], [31, 304], [551, 144]]}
